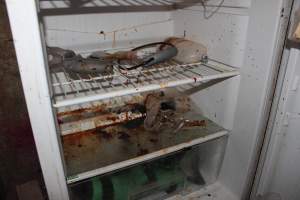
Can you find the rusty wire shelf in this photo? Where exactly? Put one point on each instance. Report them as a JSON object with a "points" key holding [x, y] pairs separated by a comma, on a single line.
{"points": [[63, 7], [68, 92], [94, 153]]}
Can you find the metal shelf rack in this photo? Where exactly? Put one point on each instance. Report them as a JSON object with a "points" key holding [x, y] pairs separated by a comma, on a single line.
{"points": [[68, 91], [63, 7]]}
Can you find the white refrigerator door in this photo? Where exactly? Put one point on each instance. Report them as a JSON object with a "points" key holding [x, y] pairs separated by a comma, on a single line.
{"points": [[280, 179]]}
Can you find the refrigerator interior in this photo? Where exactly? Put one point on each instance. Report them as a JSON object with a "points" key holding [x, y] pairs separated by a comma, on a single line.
{"points": [[228, 103]]}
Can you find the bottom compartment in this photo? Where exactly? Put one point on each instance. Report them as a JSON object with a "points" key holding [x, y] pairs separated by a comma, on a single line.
{"points": [[180, 173]]}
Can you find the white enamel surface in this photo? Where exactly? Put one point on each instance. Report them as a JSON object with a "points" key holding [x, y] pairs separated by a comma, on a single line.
{"points": [[280, 175], [225, 37], [121, 30]]}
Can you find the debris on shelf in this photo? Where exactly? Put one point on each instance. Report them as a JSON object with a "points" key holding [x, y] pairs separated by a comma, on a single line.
{"points": [[67, 60], [165, 110], [100, 147], [108, 134], [159, 110], [102, 63], [188, 51]]}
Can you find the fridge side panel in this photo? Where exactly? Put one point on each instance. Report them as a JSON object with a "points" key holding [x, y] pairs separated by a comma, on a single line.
{"points": [[28, 44], [249, 38], [224, 35], [263, 50]]}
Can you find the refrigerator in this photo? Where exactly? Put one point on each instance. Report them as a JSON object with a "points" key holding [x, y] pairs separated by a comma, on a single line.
{"points": [[223, 126]]}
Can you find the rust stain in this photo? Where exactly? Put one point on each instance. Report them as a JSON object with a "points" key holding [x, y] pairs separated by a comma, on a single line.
{"points": [[73, 112], [75, 139], [154, 140], [135, 27], [108, 125], [94, 141], [114, 39], [112, 118], [142, 152], [104, 108], [59, 121], [97, 109], [103, 33], [105, 134], [164, 151], [193, 123], [102, 131], [130, 28], [123, 135]]}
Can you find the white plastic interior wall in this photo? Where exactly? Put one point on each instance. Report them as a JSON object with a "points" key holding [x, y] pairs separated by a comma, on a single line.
{"points": [[242, 34]]}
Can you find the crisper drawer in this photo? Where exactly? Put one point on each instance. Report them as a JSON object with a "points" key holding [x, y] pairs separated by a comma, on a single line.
{"points": [[180, 173]]}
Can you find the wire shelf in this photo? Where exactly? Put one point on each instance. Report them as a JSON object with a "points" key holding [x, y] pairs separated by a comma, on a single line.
{"points": [[90, 3], [69, 91], [62, 7]]}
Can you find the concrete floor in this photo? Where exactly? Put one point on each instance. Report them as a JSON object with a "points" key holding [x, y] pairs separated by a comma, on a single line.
{"points": [[18, 158]]}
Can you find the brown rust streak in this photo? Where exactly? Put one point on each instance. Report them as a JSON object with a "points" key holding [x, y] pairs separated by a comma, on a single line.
{"points": [[75, 139], [123, 135], [96, 109], [195, 123], [112, 118], [96, 131], [142, 152], [153, 140], [103, 108]]}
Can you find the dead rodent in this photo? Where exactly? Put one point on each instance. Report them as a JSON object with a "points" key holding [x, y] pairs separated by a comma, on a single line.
{"points": [[188, 51]]}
